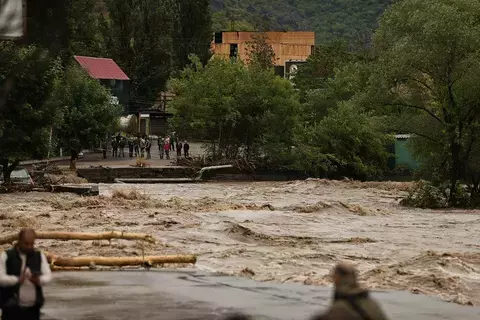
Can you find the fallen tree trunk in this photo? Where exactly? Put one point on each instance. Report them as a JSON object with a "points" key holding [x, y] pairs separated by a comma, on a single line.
{"points": [[212, 168], [54, 235], [76, 262]]}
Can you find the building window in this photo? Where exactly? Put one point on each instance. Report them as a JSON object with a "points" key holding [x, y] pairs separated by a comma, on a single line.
{"points": [[218, 37], [233, 50]]}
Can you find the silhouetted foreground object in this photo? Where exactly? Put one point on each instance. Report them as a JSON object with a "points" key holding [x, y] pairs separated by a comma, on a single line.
{"points": [[238, 316], [23, 273], [350, 301]]}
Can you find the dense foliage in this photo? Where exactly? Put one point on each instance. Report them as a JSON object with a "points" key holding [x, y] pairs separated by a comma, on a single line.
{"points": [[346, 19], [86, 111], [26, 77], [259, 52], [150, 39], [249, 112], [337, 136], [241, 111], [427, 77]]}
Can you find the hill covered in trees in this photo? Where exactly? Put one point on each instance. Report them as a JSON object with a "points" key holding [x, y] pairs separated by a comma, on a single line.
{"points": [[330, 19]]}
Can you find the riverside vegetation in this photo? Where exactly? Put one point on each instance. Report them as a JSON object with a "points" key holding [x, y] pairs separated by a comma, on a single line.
{"points": [[345, 105], [417, 74]]}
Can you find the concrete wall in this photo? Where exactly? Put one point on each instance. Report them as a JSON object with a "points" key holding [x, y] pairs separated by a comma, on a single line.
{"points": [[108, 175]]}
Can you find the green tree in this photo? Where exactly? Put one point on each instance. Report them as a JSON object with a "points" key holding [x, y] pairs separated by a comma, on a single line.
{"points": [[338, 136], [333, 19], [48, 26], [87, 112], [140, 35], [321, 65], [345, 142], [241, 111], [65, 27], [428, 72], [193, 31], [260, 52], [84, 28], [26, 79]]}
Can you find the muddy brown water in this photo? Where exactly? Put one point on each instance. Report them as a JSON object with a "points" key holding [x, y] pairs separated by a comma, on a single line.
{"points": [[279, 232]]}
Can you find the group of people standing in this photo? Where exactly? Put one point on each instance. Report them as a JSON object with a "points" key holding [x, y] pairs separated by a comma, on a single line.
{"points": [[138, 146], [167, 144]]}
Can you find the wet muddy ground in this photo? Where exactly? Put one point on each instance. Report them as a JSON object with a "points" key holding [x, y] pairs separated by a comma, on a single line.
{"points": [[286, 232]]}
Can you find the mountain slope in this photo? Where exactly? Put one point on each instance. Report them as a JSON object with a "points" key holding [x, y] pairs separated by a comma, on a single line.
{"points": [[330, 19]]}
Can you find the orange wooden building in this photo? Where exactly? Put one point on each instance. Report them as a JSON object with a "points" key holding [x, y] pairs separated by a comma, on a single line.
{"points": [[288, 45]]}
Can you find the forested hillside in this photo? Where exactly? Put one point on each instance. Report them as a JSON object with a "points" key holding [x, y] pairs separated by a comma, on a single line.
{"points": [[330, 19]]}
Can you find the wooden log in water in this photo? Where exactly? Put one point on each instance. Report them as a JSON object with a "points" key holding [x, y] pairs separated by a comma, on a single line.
{"points": [[76, 262], [54, 235]]}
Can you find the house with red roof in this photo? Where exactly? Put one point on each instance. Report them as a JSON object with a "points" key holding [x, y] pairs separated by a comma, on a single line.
{"points": [[110, 75]]}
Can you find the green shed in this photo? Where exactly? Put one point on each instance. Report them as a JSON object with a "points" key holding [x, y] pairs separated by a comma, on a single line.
{"points": [[403, 156]]}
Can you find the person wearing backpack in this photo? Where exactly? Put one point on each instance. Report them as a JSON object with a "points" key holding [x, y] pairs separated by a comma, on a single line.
{"points": [[350, 301]]}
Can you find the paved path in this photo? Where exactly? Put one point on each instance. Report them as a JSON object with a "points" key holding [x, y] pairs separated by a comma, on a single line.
{"points": [[96, 159], [142, 295]]}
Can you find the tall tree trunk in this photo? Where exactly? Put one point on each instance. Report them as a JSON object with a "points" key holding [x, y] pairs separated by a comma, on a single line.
{"points": [[454, 171], [73, 159]]}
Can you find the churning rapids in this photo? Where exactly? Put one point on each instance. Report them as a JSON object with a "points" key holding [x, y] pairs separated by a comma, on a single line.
{"points": [[273, 231]]}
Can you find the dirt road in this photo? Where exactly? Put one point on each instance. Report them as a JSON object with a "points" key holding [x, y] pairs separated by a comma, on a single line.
{"points": [[277, 231]]}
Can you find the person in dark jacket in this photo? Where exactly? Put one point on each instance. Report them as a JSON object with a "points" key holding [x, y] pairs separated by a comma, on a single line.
{"points": [[121, 147], [350, 301], [114, 148], [148, 146], [130, 148], [179, 149], [186, 149], [23, 273]]}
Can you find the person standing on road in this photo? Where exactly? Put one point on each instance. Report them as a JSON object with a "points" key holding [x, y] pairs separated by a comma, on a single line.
{"points": [[130, 147], [350, 301], [104, 149], [186, 149], [114, 148], [121, 146], [23, 273], [179, 149], [136, 144], [173, 139], [142, 147], [166, 148], [148, 145], [161, 143]]}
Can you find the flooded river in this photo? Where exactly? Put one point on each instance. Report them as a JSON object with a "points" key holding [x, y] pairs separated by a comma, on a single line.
{"points": [[280, 232]]}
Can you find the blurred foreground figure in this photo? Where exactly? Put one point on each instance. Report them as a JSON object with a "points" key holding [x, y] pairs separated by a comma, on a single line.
{"points": [[238, 316], [23, 273], [350, 302]]}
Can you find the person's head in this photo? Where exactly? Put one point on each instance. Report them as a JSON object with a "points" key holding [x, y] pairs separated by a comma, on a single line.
{"points": [[26, 240], [344, 273]]}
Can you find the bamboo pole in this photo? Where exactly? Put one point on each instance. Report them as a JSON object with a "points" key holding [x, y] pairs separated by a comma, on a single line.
{"points": [[82, 236], [76, 262]]}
